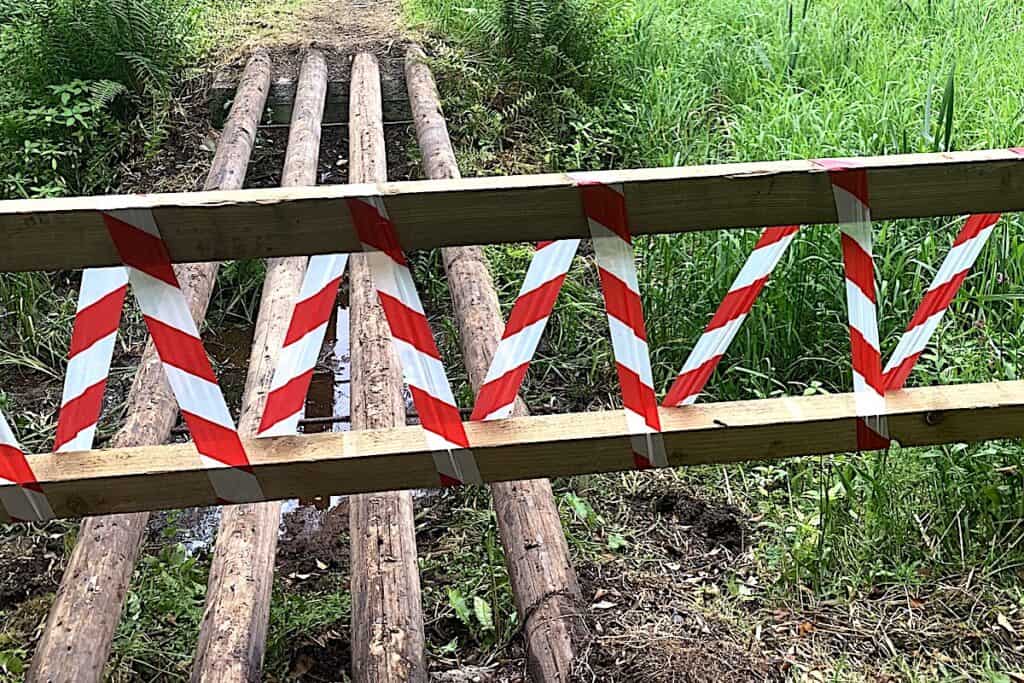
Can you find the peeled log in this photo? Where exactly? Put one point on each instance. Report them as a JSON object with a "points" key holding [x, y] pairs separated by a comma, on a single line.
{"points": [[233, 634], [83, 619], [387, 613], [547, 593]]}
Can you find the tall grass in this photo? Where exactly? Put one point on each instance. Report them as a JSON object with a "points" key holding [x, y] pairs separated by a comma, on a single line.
{"points": [[668, 82]]}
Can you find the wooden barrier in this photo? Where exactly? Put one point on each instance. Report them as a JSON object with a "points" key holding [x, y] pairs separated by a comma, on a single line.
{"points": [[42, 234], [161, 477]]}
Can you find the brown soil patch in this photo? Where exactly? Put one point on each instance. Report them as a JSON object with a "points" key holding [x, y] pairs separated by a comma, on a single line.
{"points": [[646, 629], [654, 606], [31, 562], [339, 28], [314, 544]]}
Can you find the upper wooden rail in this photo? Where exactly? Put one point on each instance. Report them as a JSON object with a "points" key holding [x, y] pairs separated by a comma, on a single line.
{"points": [[42, 234], [162, 477]]}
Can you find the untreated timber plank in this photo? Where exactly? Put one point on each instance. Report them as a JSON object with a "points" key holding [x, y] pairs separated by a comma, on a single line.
{"points": [[233, 633], [39, 234], [158, 477], [388, 642]]}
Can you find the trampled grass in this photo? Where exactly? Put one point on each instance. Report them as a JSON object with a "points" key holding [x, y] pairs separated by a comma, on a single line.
{"points": [[738, 80]]}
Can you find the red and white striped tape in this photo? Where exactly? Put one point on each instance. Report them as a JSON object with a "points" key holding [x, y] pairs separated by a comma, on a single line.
{"points": [[137, 239], [93, 336], [729, 317], [294, 372], [525, 326], [954, 269], [967, 246], [853, 209], [414, 343], [20, 494], [605, 208]]}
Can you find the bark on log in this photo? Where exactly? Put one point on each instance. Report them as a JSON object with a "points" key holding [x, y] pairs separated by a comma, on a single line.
{"points": [[80, 628], [547, 593], [387, 613], [233, 634]]}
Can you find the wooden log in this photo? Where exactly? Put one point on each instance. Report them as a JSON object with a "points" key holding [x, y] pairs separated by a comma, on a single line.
{"points": [[162, 477], [281, 101], [547, 593], [233, 634], [76, 641], [387, 612], [39, 234]]}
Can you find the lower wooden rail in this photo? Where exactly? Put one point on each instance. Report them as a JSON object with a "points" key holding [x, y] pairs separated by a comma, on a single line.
{"points": [[163, 477]]}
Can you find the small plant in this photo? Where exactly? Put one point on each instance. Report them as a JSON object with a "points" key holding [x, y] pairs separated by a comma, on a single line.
{"points": [[81, 80], [66, 141], [162, 613]]}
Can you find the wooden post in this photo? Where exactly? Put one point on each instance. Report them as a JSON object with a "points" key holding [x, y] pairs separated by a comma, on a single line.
{"points": [[547, 594], [387, 613], [233, 634], [82, 621]]}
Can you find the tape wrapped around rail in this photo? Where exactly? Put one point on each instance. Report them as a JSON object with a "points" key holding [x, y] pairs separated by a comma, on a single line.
{"points": [[605, 208], [853, 211]]}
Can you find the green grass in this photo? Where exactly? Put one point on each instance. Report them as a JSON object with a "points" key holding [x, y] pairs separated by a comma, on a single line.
{"points": [[667, 82]]}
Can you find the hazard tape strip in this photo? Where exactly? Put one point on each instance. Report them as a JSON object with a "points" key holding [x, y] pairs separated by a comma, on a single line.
{"points": [[137, 239], [20, 494], [853, 209], [605, 208], [951, 274], [93, 336], [414, 344], [729, 317], [311, 314], [526, 324], [967, 246]]}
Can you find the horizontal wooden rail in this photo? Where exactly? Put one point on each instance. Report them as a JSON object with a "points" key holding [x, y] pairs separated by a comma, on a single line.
{"points": [[42, 234], [161, 477]]}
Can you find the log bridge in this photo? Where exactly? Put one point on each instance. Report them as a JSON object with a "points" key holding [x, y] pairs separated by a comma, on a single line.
{"points": [[117, 486]]}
